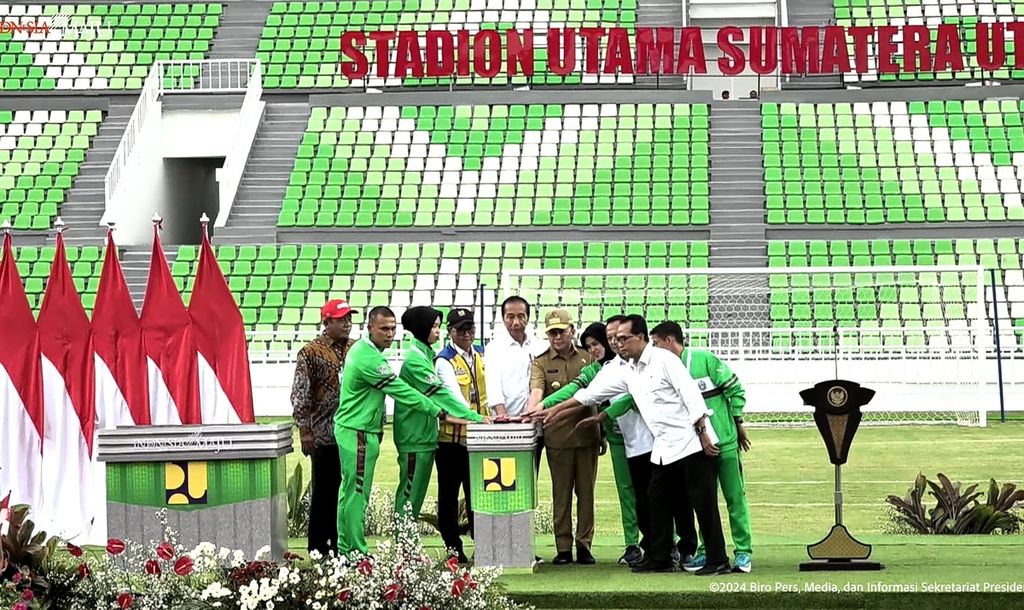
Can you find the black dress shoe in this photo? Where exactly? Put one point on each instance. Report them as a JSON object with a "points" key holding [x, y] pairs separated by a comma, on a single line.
{"points": [[462, 558], [714, 570], [648, 565], [562, 558], [584, 556]]}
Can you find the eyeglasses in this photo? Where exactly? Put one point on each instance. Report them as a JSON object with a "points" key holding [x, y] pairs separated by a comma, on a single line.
{"points": [[467, 330], [625, 338], [557, 332]]}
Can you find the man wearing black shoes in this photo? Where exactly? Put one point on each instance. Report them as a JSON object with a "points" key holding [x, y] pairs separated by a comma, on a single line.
{"points": [[684, 442]]}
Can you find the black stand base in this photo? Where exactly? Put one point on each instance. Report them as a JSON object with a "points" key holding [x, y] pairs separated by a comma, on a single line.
{"points": [[840, 565]]}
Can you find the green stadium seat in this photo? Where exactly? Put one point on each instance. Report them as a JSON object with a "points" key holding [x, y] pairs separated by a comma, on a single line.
{"points": [[441, 166], [299, 47], [893, 162], [33, 182], [93, 53], [281, 287], [931, 301], [963, 15]]}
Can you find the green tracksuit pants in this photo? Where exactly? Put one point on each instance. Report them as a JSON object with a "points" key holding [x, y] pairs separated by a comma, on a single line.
{"points": [[730, 480], [627, 499], [358, 451], [413, 479]]}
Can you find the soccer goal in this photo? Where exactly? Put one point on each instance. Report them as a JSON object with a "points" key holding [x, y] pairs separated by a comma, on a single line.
{"points": [[918, 336]]}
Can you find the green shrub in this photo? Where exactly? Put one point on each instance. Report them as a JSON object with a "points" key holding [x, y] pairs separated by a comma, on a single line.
{"points": [[957, 510]]}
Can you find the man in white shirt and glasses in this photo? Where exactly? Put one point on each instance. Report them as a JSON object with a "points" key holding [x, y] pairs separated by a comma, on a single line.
{"points": [[683, 455], [507, 362]]}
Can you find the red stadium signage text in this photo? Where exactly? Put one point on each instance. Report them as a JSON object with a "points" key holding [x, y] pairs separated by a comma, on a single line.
{"points": [[765, 50], [31, 28]]}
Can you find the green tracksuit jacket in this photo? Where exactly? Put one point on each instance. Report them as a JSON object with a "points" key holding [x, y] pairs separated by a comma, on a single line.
{"points": [[367, 377], [415, 427], [722, 391]]}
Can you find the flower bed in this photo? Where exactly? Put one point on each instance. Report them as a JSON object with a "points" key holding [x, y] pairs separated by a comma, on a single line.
{"points": [[161, 575]]}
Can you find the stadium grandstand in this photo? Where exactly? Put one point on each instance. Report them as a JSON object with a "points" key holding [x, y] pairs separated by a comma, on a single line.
{"points": [[868, 223]]}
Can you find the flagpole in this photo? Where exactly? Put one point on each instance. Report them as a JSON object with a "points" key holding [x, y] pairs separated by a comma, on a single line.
{"points": [[6, 226], [59, 226], [205, 221]]}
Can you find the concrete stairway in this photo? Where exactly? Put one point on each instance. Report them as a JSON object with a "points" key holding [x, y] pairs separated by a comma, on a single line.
{"points": [[253, 218], [737, 215], [135, 264], [812, 12], [737, 185], [238, 34], [661, 13], [85, 202]]}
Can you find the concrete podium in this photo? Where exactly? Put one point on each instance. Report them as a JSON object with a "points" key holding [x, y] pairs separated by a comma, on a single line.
{"points": [[223, 484], [503, 488]]}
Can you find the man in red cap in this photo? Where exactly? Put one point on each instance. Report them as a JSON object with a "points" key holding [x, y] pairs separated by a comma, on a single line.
{"points": [[315, 394]]}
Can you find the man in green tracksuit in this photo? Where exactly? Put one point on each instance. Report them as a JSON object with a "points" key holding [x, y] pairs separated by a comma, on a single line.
{"points": [[595, 340], [415, 428], [359, 422], [724, 395]]}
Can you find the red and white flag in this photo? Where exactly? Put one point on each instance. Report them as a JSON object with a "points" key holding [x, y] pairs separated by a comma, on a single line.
{"points": [[167, 337], [69, 401], [21, 389], [225, 386], [122, 388]]}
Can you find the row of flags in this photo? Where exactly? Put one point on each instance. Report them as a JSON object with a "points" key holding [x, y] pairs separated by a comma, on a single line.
{"points": [[64, 377]]}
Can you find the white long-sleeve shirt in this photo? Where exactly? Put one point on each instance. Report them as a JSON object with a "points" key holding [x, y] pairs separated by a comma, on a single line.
{"points": [[507, 370], [666, 396], [636, 436]]}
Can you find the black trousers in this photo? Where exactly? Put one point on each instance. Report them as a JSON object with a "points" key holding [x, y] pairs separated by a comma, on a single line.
{"points": [[694, 477], [452, 463], [323, 505], [685, 528], [640, 475]]}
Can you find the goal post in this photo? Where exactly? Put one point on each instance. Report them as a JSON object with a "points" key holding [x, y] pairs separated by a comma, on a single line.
{"points": [[919, 336]]}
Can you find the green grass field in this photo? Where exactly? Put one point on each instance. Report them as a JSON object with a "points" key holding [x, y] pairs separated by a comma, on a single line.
{"points": [[789, 485]]}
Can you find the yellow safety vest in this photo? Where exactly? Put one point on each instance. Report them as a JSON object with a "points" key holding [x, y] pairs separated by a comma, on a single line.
{"points": [[474, 391]]}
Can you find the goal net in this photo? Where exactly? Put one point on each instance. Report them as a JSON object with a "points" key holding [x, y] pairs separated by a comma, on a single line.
{"points": [[918, 336]]}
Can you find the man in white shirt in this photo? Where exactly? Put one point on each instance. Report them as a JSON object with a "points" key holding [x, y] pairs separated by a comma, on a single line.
{"points": [[683, 451], [507, 362]]}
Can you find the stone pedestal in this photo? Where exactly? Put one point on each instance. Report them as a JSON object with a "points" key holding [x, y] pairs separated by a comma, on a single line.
{"points": [[504, 493], [223, 484]]}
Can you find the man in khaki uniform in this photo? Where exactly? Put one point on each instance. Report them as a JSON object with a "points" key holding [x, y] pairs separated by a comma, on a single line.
{"points": [[572, 454]]}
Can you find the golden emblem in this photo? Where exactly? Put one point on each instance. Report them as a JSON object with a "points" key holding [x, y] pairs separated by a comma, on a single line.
{"points": [[837, 396]]}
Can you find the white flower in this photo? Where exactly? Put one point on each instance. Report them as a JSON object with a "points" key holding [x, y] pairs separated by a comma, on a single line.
{"points": [[215, 590], [262, 552]]}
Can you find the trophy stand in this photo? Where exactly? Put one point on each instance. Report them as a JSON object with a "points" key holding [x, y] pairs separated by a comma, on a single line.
{"points": [[837, 415]]}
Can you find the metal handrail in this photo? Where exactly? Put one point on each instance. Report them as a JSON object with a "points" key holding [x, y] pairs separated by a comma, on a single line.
{"points": [[193, 76]]}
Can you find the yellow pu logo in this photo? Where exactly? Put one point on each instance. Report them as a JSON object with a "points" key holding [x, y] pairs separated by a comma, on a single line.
{"points": [[500, 474], [185, 483]]}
